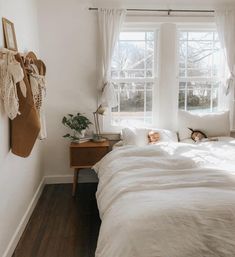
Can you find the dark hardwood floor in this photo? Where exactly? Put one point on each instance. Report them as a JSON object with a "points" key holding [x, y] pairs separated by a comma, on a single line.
{"points": [[62, 226]]}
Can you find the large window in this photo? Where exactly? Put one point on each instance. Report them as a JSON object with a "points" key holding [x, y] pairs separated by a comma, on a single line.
{"points": [[133, 72], [147, 67], [199, 70]]}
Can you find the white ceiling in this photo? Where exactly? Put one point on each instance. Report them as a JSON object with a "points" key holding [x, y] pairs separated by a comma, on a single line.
{"points": [[201, 4]]}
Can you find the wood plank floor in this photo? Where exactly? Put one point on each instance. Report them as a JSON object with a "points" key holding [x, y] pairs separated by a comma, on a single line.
{"points": [[62, 226]]}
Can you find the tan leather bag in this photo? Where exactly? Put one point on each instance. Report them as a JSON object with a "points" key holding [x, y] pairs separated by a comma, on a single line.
{"points": [[25, 127]]}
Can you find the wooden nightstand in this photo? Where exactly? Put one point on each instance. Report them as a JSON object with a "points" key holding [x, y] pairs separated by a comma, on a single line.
{"points": [[85, 155]]}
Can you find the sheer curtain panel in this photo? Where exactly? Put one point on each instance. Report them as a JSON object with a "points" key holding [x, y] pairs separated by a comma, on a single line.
{"points": [[110, 23], [225, 21]]}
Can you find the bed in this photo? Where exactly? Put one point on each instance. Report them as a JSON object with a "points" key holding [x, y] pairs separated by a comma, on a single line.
{"points": [[167, 200]]}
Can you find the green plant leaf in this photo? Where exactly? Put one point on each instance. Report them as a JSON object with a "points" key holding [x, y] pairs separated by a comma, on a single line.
{"points": [[64, 120], [77, 122]]}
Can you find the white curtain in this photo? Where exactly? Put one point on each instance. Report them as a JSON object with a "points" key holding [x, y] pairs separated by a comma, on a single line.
{"points": [[225, 21], [110, 23]]}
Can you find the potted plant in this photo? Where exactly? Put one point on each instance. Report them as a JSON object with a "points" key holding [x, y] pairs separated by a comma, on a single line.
{"points": [[78, 124]]}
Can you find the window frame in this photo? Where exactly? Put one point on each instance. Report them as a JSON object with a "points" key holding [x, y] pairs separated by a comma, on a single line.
{"points": [[107, 118], [212, 79], [184, 23]]}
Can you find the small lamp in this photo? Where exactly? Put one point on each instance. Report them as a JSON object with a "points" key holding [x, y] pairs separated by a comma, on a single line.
{"points": [[100, 111]]}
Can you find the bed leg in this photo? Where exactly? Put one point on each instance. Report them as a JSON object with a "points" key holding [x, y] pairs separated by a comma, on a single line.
{"points": [[75, 181]]}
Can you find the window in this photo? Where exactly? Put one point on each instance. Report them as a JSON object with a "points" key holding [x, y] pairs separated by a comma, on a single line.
{"points": [[199, 70], [133, 72], [144, 68]]}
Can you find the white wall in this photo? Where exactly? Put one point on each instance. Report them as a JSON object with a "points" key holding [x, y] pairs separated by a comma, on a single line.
{"points": [[68, 42], [19, 178]]}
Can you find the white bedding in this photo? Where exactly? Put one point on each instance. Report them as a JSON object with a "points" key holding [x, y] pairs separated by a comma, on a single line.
{"points": [[167, 200]]}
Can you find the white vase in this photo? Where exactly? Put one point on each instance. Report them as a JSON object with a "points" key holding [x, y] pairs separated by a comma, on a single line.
{"points": [[82, 134], [79, 135]]}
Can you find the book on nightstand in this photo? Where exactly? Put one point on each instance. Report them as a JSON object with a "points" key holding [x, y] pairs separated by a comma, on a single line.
{"points": [[85, 139]]}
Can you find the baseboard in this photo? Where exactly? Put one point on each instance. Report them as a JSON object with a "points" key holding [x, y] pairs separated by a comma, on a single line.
{"points": [[68, 179], [24, 221]]}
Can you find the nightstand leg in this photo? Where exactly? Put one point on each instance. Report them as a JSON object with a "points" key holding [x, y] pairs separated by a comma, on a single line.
{"points": [[75, 181]]}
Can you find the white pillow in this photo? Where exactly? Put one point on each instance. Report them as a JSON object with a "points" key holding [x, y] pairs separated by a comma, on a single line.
{"points": [[135, 136], [188, 141], [139, 136], [166, 135], [212, 124], [117, 145]]}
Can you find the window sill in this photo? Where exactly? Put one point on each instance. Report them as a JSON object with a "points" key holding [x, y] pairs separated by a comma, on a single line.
{"points": [[111, 135]]}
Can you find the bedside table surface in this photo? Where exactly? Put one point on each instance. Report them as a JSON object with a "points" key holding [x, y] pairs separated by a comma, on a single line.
{"points": [[90, 144]]}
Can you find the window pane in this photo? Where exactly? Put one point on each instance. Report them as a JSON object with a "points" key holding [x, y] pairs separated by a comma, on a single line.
{"points": [[134, 55], [217, 57], [199, 73], [183, 35], [200, 63], [116, 87], [182, 91], [216, 35], [132, 101], [115, 60], [215, 96], [114, 74], [135, 104], [132, 74], [183, 55], [150, 36], [149, 62], [149, 98], [200, 35], [182, 73], [132, 36], [199, 54], [149, 73], [149, 54], [198, 97], [133, 60]]}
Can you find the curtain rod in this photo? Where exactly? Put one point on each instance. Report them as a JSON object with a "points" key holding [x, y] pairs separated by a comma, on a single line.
{"points": [[169, 11]]}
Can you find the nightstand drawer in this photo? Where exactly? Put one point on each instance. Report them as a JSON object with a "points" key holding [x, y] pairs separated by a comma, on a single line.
{"points": [[87, 156]]}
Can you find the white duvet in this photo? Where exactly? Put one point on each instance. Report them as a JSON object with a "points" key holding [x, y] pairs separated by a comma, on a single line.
{"points": [[167, 200]]}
